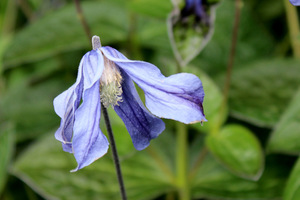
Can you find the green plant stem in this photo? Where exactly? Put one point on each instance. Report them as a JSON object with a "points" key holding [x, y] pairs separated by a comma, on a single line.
{"points": [[8, 15], [238, 7], [181, 155], [293, 26], [27, 10], [181, 162]]}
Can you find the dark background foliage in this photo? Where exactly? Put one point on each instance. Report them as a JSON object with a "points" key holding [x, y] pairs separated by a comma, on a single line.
{"points": [[248, 149]]}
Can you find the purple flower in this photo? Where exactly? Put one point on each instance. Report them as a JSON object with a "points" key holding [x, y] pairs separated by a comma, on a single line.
{"points": [[105, 75], [196, 8], [295, 2]]}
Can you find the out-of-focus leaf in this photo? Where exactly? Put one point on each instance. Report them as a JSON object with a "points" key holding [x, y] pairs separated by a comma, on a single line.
{"points": [[212, 102], [189, 31], [31, 107], [239, 150], [261, 91], [285, 137], [6, 149], [156, 38], [62, 31], [213, 181], [45, 167], [152, 8], [292, 188]]}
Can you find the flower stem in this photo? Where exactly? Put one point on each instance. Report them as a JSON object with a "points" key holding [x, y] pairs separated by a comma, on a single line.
{"points": [[181, 162], [293, 25], [96, 45], [238, 6], [114, 152], [82, 19], [26, 9], [182, 154]]}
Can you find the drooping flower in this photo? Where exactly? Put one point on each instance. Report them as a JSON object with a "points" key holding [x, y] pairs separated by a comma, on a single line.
{"points": [[106, 76], [295, 2]]}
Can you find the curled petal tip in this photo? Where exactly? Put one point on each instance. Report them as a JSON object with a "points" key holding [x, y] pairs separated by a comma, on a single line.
{"points": [[197, 121]]}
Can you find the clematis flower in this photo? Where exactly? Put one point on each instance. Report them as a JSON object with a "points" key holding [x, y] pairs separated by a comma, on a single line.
{"points": [[295, 2], [106, 76]]}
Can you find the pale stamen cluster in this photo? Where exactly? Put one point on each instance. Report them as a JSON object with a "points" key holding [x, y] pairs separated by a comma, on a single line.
{"points": [[110, 84]]}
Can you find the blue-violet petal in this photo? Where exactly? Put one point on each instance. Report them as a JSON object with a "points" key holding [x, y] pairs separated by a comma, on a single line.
{"points": [[140, 123], [65, 106], [295, 2], [177, 97], [88, 141]]}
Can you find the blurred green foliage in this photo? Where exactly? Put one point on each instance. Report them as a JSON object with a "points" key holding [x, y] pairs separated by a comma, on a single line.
{"points": [[248, 149]]}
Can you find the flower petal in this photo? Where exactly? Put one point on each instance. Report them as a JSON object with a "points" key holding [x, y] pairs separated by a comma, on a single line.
{"points": [[65, 106], [140, 123], [295, 2], [88, 141], [177, 97]]}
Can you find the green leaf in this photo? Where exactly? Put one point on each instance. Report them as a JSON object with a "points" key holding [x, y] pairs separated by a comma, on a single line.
{"points": [[214, 182], [285, 137], [212, 102], [61, 31], [189, 36], [6, 150], [210, 180], [239, 150], [292, 189], [260, 92], [152, 8], [45, 167]]}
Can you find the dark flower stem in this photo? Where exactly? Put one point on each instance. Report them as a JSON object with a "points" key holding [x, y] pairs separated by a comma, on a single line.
{"points": [[238, 6], [114, 152], [83, 20], [97, 44]]}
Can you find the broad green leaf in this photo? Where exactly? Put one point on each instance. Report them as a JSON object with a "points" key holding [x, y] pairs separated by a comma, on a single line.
{"points": [[61, 31], [239, 150], [261, 91], [45, 167], [210, 180], [6, 150], [285, 137], [189, 36], [212, 102], [214, 182], [292, 188]]}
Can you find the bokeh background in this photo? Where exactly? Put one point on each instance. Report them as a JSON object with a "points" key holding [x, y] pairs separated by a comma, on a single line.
{"points": [[248, 149]]}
